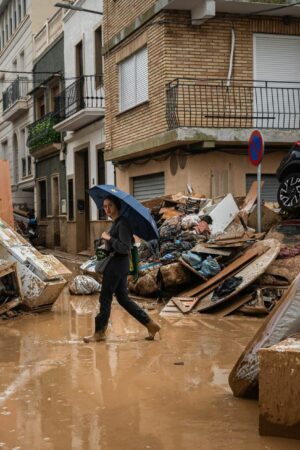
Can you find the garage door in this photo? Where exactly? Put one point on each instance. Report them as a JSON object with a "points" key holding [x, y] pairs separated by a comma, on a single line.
{"points": [[269, 191], [277, 59], [149, 186]]}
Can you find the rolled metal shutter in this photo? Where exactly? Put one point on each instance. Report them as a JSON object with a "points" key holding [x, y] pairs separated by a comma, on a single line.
{"points": [[149, 186], [269, 191]]}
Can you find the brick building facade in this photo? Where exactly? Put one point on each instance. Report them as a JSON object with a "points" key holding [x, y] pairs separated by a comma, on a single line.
{"points": [[195, 130]]}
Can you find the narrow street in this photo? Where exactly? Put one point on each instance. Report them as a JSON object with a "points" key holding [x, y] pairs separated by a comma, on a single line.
{"points": [[58, 393]]}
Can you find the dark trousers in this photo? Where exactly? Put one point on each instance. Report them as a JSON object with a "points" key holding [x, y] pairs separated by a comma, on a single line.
{"points": [[115, 282]]}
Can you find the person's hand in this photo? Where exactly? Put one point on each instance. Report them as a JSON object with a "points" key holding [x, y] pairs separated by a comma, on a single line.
{"points": [[106, 236]]}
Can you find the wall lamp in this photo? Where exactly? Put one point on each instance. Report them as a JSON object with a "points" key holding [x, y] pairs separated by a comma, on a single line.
{"points": [[76, 8]]}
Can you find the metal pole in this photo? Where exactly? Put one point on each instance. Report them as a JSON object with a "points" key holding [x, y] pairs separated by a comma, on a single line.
{"points": [[259, 198]]}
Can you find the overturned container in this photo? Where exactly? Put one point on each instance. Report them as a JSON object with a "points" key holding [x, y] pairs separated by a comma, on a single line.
{"points": [[42, 276]]}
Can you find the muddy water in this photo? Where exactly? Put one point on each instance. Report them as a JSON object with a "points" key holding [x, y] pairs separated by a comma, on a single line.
{"points": [[57, 393]]}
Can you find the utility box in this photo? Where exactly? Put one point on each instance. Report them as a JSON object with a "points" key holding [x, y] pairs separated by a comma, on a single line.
{"points": [[279, 389]]}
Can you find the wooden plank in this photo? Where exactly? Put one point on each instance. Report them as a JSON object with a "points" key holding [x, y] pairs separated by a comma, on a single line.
{"points": [[250, 200], [185, 264], [10, 305], [199, 248], [236, 304], [249, 274], [183, 303], [214, 281]]}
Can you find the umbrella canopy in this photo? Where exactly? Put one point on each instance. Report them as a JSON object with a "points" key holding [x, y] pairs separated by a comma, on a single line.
{"points": [[139, 218]]}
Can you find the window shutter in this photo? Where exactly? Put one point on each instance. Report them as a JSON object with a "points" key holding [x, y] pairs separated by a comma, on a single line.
{"points": [[127, 84], [133, 73], [142, 76]]}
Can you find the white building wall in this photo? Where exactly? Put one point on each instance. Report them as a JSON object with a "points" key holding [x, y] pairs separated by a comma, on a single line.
{"points": [[81, 26], [11, 59]]}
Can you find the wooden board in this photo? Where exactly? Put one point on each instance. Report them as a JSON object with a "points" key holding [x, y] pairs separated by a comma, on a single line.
{"points": [[199, 248], [236, 304], [185, 264], [249, 274], [10, 305], [183, 303], [211, 284]]}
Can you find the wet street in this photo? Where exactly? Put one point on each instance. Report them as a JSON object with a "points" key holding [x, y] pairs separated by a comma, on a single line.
{"points": [[57, 393]]}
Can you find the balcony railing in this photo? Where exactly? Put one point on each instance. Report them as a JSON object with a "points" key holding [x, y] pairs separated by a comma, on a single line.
{"points": [[41, 132], [15, 91], [84, 92], [235, 104]]}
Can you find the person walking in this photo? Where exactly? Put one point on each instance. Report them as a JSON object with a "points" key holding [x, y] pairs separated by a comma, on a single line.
{"points": [[118, 240]]}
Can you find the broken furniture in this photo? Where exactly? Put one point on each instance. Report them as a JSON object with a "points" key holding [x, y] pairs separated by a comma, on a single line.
{"points": [[279, 407], [10, 288], [42, 276]]}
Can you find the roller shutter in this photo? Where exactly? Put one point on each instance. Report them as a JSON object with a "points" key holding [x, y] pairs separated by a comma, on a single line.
{"points": [[269, 191], [149, 186], [277, 60]]}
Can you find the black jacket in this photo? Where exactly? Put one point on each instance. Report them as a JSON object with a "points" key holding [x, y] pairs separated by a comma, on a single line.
{"points": [[121, 237]]}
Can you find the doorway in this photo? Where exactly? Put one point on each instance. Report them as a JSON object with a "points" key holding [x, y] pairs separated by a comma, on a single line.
{"points": [[55, 210], [82, 201]]}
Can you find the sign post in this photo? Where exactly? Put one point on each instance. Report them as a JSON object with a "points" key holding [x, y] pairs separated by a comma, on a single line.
{"points": [[256, 150]]}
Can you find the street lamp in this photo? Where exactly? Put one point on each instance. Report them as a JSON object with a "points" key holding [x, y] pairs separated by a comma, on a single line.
{"points": [[76, 8]]}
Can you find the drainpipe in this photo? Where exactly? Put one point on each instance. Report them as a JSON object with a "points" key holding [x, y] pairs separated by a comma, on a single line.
{"points": [[231, 57]]}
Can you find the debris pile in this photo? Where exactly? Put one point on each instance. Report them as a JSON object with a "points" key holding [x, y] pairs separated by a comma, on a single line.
{"points": [[208, 258], [42, 277]]}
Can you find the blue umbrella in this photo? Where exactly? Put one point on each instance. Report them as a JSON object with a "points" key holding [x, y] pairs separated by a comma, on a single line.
{"points": [[139, 218]]}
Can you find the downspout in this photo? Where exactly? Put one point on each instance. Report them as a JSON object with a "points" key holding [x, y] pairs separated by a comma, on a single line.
{"points": [[231, 57]]}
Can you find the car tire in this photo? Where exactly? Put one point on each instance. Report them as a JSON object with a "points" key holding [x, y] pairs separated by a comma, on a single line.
{"points": [[288, 195]]}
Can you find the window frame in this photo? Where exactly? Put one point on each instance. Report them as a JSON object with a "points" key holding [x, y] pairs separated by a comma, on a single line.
{"points": [[134, 55]]}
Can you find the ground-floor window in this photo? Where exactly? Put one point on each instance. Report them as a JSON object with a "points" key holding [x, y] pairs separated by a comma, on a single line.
{"points": [[148, 186], [269, 190]]}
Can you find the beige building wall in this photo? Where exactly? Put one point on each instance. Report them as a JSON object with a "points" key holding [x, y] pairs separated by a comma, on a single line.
{"points": [[210, 174]]}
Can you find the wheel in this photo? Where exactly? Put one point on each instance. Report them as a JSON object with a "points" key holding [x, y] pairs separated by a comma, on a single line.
{"points": [[288, 195]]}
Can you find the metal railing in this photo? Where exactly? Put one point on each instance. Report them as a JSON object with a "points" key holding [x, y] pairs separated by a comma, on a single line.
{"points": [[16, 90], [85, 92], [41, 132], [213, 103]]}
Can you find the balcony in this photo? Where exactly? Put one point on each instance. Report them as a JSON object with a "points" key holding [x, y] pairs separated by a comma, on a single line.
{"points": [[80, 104], [202, 10], [15, 99], [236, 104], [42, 138]]}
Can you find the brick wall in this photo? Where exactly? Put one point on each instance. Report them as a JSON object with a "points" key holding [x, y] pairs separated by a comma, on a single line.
{"points": [[178, 49], [120, 13]]}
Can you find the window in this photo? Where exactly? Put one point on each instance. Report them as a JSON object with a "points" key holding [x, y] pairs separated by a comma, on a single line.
{"points": [[133, 79], [15, 19], [98, 57], [23, 167], [24, 7], [42, 185], [22, 61], [40, 106], [29, 165], [20, 10], [70, 200]]}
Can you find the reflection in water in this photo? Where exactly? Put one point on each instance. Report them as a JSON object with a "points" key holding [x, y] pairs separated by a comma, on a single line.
{"points": [[58, 393]]}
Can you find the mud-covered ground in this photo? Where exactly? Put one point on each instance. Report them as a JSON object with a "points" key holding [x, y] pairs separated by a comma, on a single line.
{"points": [[57, 393]]}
